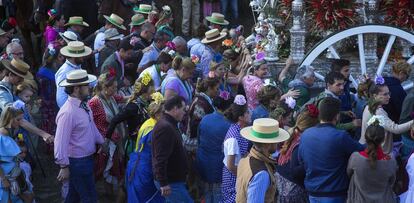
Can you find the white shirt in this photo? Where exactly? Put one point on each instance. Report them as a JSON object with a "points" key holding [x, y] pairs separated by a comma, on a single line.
{"points": [[231, 147], [98, 44]]}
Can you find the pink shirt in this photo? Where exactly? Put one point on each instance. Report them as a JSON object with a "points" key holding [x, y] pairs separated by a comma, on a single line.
{"points": [[76, 132]]}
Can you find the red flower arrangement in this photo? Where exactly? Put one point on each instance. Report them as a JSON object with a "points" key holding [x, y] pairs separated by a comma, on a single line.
{"points": [[330, 14], [399, 13], [313, 110], [111, 73]]}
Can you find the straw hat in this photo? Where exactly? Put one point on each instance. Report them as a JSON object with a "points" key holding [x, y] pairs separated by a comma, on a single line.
{"points": [[112, 34], [76, 78], [18, 67], [75, 49], [68, 36], [217, 18], [76, 20], [212, 36], [115, 20], [143, 8], [137, 19], [265, 130]]}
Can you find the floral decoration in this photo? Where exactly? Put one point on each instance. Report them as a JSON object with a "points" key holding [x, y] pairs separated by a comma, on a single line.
{"points": [[51, 49], [313, 110], [18, 105], [379, 80], [146, 78], [224, 95], [171, 45], [291, 103], [111, 73], [134, 40], [240, 100], [376, 118], [399, 13], [157, 97], [195, 59]]}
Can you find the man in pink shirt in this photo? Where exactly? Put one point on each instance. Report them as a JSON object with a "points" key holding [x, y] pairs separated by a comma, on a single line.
{"points": [[76, 139]]}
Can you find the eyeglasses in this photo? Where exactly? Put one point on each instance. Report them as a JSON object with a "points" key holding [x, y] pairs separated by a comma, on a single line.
{"points": [[18, 53]]}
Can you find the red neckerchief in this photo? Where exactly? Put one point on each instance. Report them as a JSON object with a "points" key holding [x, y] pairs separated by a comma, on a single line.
{"points": [[380, 154]]}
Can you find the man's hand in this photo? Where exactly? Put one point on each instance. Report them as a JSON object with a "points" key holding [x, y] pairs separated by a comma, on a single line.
{"points": [[63, 174], [48, 138], [166, 190]]}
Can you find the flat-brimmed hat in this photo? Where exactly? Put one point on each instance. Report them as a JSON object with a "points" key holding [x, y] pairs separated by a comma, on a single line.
{"points": [[217, 18], [18, 67], [112, 34], [68, 36], [76, 20], [75, 49], [143, 8], [212, 36], [265, 130], [76, 78], [137, 19], [115, 20]]}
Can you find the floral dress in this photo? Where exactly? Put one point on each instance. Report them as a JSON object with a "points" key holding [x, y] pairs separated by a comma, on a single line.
{"points": [[252, 84], [234, 144]]}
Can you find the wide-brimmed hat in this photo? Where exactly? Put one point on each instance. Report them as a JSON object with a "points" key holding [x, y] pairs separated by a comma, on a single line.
{"points": [[76, 78], [75, 49], [76, 20], [212, 36], [137, 19], [143, 8], [265, 130], [18, 67], [68, 36], [115, 20], [112, 34], [217, 18]]}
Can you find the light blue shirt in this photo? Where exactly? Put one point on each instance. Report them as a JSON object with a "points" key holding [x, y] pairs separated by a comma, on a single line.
{"points": [[206, 58], [258, 186], [60, 75], [150, 55], [6, 95]]}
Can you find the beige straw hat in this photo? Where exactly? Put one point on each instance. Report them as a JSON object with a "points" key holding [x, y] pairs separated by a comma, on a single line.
{"points": [[76, 20], [115, 20], [212, 36], [18, 67], [137, 19], [76, 78], [143, 8], [265, 130], [217, 18], [75, 49]]}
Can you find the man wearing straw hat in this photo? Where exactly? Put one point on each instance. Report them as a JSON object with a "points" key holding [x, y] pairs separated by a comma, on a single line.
{"points": [[152, 52], [15, 72], [143, 9], [255, 173], [76, 138], [74, 53], [76, 25], [217, 21], [137, 21], [112, 22], [212, 44]]}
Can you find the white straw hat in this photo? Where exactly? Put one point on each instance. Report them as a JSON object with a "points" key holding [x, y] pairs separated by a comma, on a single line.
{"points": [[75, 49], [265, 130], [76, 78]]}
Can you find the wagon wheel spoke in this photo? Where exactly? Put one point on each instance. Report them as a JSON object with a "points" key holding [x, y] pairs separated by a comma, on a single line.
{"points": [[319, 76], [362, 54], [334, 52], [411, 60], [408, 86], [386, 53]]}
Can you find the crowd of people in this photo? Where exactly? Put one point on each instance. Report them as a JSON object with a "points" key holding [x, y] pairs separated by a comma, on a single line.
{"points": [[157, 117]]}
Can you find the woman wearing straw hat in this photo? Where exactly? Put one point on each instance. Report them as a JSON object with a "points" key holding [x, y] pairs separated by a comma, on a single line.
{"points": [[255, 179]]}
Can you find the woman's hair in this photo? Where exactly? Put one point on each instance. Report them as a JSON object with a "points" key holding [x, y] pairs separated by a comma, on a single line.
{"points": [[230, 54], [105, 80], [50, 56], [304, 121], [52, 19], [164, 58], [374, 89], [214, 66], [182, 62], [268, 93], [258, 63], [363, 89], [139, 88], [282, 109], [374, 136], [402, 67], [155, 108], [207, 83], [8, 114], [221, 103], [23, 86], [235, 111]]}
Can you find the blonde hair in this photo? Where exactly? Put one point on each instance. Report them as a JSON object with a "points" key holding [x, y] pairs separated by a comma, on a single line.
{"points": [[8, 114], [402, 67], [155, 108], [104, 81], [182, 62], [24, 86], [139, 88]]}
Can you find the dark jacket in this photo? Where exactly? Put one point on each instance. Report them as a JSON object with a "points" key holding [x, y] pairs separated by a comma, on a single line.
{"points": [[169, 161], [104, 54], [324, 152], [398, 94]]}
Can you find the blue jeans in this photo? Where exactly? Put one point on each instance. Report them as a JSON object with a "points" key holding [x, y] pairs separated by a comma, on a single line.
{"points": [[234, 8], [179, 193], [341, 199], [81, 181]]}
